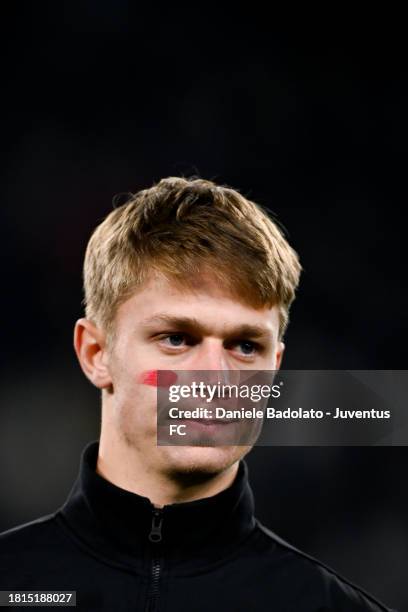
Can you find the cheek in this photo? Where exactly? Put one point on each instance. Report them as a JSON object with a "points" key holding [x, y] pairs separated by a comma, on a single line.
{"points": [[149, 377], [153, 379]]}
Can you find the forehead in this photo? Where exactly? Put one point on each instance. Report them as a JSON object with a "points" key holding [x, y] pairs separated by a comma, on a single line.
{"points": [[203, 300]]}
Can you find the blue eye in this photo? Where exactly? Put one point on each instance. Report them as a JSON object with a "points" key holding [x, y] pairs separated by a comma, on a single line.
{"points": [[175, 339], [247, 347]]}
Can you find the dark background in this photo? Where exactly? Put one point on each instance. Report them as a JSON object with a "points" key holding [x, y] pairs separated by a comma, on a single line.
{"points": [[307, 118]]}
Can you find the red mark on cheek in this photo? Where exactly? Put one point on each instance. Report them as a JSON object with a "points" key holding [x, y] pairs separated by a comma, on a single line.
{"points": [[148, 378], [151, 378]]}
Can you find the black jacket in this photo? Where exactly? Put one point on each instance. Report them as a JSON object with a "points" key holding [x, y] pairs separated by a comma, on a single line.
{"points": [[119, 553]]}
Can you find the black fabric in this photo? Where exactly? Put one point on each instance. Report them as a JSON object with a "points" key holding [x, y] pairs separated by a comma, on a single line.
{"points": [[211, 555]]}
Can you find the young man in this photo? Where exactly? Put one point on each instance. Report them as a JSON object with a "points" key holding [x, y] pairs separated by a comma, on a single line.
{"points": [[187, 275]]}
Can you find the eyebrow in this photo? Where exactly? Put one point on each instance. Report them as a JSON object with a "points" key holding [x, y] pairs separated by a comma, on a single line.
{"points": [[193, 325]]}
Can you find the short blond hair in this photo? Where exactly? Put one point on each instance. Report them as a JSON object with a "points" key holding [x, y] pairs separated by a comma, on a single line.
{"points": [[181, 228]]}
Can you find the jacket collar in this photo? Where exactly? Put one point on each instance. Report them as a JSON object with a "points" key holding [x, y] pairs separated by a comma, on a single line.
{"points": [[115, 524]]}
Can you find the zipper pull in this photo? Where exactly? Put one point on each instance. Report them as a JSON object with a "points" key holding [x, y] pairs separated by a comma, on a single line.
{"points": [[155, 534]]}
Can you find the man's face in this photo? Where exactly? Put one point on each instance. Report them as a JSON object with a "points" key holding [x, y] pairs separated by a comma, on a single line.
{"points": [[164, 327]]}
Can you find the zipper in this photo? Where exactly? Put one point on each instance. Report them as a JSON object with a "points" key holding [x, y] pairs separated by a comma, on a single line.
{"points": [[155, 536]]}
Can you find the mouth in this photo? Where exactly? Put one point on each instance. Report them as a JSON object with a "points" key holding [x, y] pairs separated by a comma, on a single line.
{"points": [[211, 421], [205, 431], [214, 427]]}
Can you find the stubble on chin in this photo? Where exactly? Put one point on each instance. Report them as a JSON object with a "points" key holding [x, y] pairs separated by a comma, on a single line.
{"points": [[195, 466]]}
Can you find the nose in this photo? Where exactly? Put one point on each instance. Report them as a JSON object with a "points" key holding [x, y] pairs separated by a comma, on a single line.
{"points": [[212, 356]]}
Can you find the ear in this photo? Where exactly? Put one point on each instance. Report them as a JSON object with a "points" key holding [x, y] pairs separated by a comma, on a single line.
{"points": [[90, 348], [279, 355]]}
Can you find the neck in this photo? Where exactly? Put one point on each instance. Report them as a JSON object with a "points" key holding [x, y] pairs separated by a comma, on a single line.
{"points": [[124, 466]]}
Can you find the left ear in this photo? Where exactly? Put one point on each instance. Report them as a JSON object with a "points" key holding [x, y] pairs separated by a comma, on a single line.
{"points": [[90, 347], [279, 355]]}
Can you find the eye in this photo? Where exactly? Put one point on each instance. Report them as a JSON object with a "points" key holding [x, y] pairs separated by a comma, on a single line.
{"points": [[247, 347], [174, 340]]}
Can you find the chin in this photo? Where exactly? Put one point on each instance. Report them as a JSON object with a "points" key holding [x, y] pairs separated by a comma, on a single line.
{"points": [[200, 460]]}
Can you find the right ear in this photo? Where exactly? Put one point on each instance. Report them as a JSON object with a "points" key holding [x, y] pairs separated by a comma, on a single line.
{"points": [[90, 348]]}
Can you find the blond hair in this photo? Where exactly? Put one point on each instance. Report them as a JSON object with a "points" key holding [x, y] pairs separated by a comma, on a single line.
{"points": [[181, 228]]}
